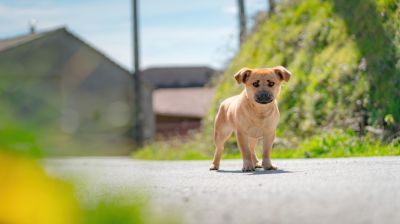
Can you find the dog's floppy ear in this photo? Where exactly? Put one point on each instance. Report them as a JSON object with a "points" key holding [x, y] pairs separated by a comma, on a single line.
{"points": [[282, 73], [243, 75]]}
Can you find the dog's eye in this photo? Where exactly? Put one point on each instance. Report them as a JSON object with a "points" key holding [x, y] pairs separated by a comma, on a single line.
{"points": [[256, 83], [270, 83]]}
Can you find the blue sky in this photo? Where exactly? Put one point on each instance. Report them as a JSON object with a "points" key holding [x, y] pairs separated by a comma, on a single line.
{"points": [[173, 32]]}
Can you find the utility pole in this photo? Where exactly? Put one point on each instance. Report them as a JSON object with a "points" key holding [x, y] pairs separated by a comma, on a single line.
{"points": [[242, 22], [138, 116], [271, 4]]}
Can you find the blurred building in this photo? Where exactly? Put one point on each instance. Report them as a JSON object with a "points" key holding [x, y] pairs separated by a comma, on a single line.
{"points": [[56, 79], [180, 99], [180, 110], [178, 77]]}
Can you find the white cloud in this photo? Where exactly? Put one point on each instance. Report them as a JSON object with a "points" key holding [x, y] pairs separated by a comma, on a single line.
{"points": [[251, 7], [230, 9], [171, 7], [199, 45]]}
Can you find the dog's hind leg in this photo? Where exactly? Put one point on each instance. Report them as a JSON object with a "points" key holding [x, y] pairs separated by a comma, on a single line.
{"points": [[220, 137], [252, 146], [222, 131]]}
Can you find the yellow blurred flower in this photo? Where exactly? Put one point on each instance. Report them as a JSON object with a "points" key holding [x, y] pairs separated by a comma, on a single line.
{"points": [[29, 196]]}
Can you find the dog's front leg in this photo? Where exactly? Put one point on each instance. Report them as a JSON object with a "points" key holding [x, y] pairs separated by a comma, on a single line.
{"points": [[252, 146], [268, 141], [243, 143]]}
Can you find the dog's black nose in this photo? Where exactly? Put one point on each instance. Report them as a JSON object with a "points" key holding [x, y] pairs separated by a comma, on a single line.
{"points": [[264, 97]]}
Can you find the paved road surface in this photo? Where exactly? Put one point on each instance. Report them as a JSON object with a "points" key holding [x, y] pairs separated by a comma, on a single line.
{"points": [[355, 190]]}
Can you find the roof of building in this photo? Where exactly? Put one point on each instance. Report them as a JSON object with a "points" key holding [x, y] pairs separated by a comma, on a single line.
{"points": [[183, 102], [17, 41], [178, 77]]}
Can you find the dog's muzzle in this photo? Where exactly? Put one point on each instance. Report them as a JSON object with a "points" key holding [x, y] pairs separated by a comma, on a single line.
{"points": [[264, 97]]}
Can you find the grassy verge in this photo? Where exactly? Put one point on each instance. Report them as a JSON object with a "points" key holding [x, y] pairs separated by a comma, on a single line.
{"points": [[335, 143]]}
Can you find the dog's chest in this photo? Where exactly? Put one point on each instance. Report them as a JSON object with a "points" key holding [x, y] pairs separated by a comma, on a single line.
{"points": [[255, 132], [258, 126], [256, 122]]}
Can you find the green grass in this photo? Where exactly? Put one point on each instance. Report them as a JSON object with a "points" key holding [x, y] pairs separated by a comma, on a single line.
{"points": [[339, 143], [335, 143], [124, 208]]}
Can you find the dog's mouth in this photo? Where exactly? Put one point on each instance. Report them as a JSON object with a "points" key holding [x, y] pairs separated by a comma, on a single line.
{"points": [[264, 102], [264, 97]]}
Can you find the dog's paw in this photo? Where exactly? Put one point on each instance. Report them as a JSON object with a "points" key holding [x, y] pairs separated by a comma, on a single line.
{"points": [[267, 165], [258, 165], [270, 167], [214, 167], [248, 166]]}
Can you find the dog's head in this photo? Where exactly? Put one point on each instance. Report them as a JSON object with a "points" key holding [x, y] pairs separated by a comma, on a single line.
{"points": [[263, 85]]}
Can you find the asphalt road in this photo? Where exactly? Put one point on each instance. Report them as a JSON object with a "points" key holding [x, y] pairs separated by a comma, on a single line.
{"points": [[354, 190]]}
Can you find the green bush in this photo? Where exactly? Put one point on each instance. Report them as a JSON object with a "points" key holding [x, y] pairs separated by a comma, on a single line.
{"points": [[17, 137]]}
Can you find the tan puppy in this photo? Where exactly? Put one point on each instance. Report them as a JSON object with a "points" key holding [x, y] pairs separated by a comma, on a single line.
{"points": [[253, 115]]}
